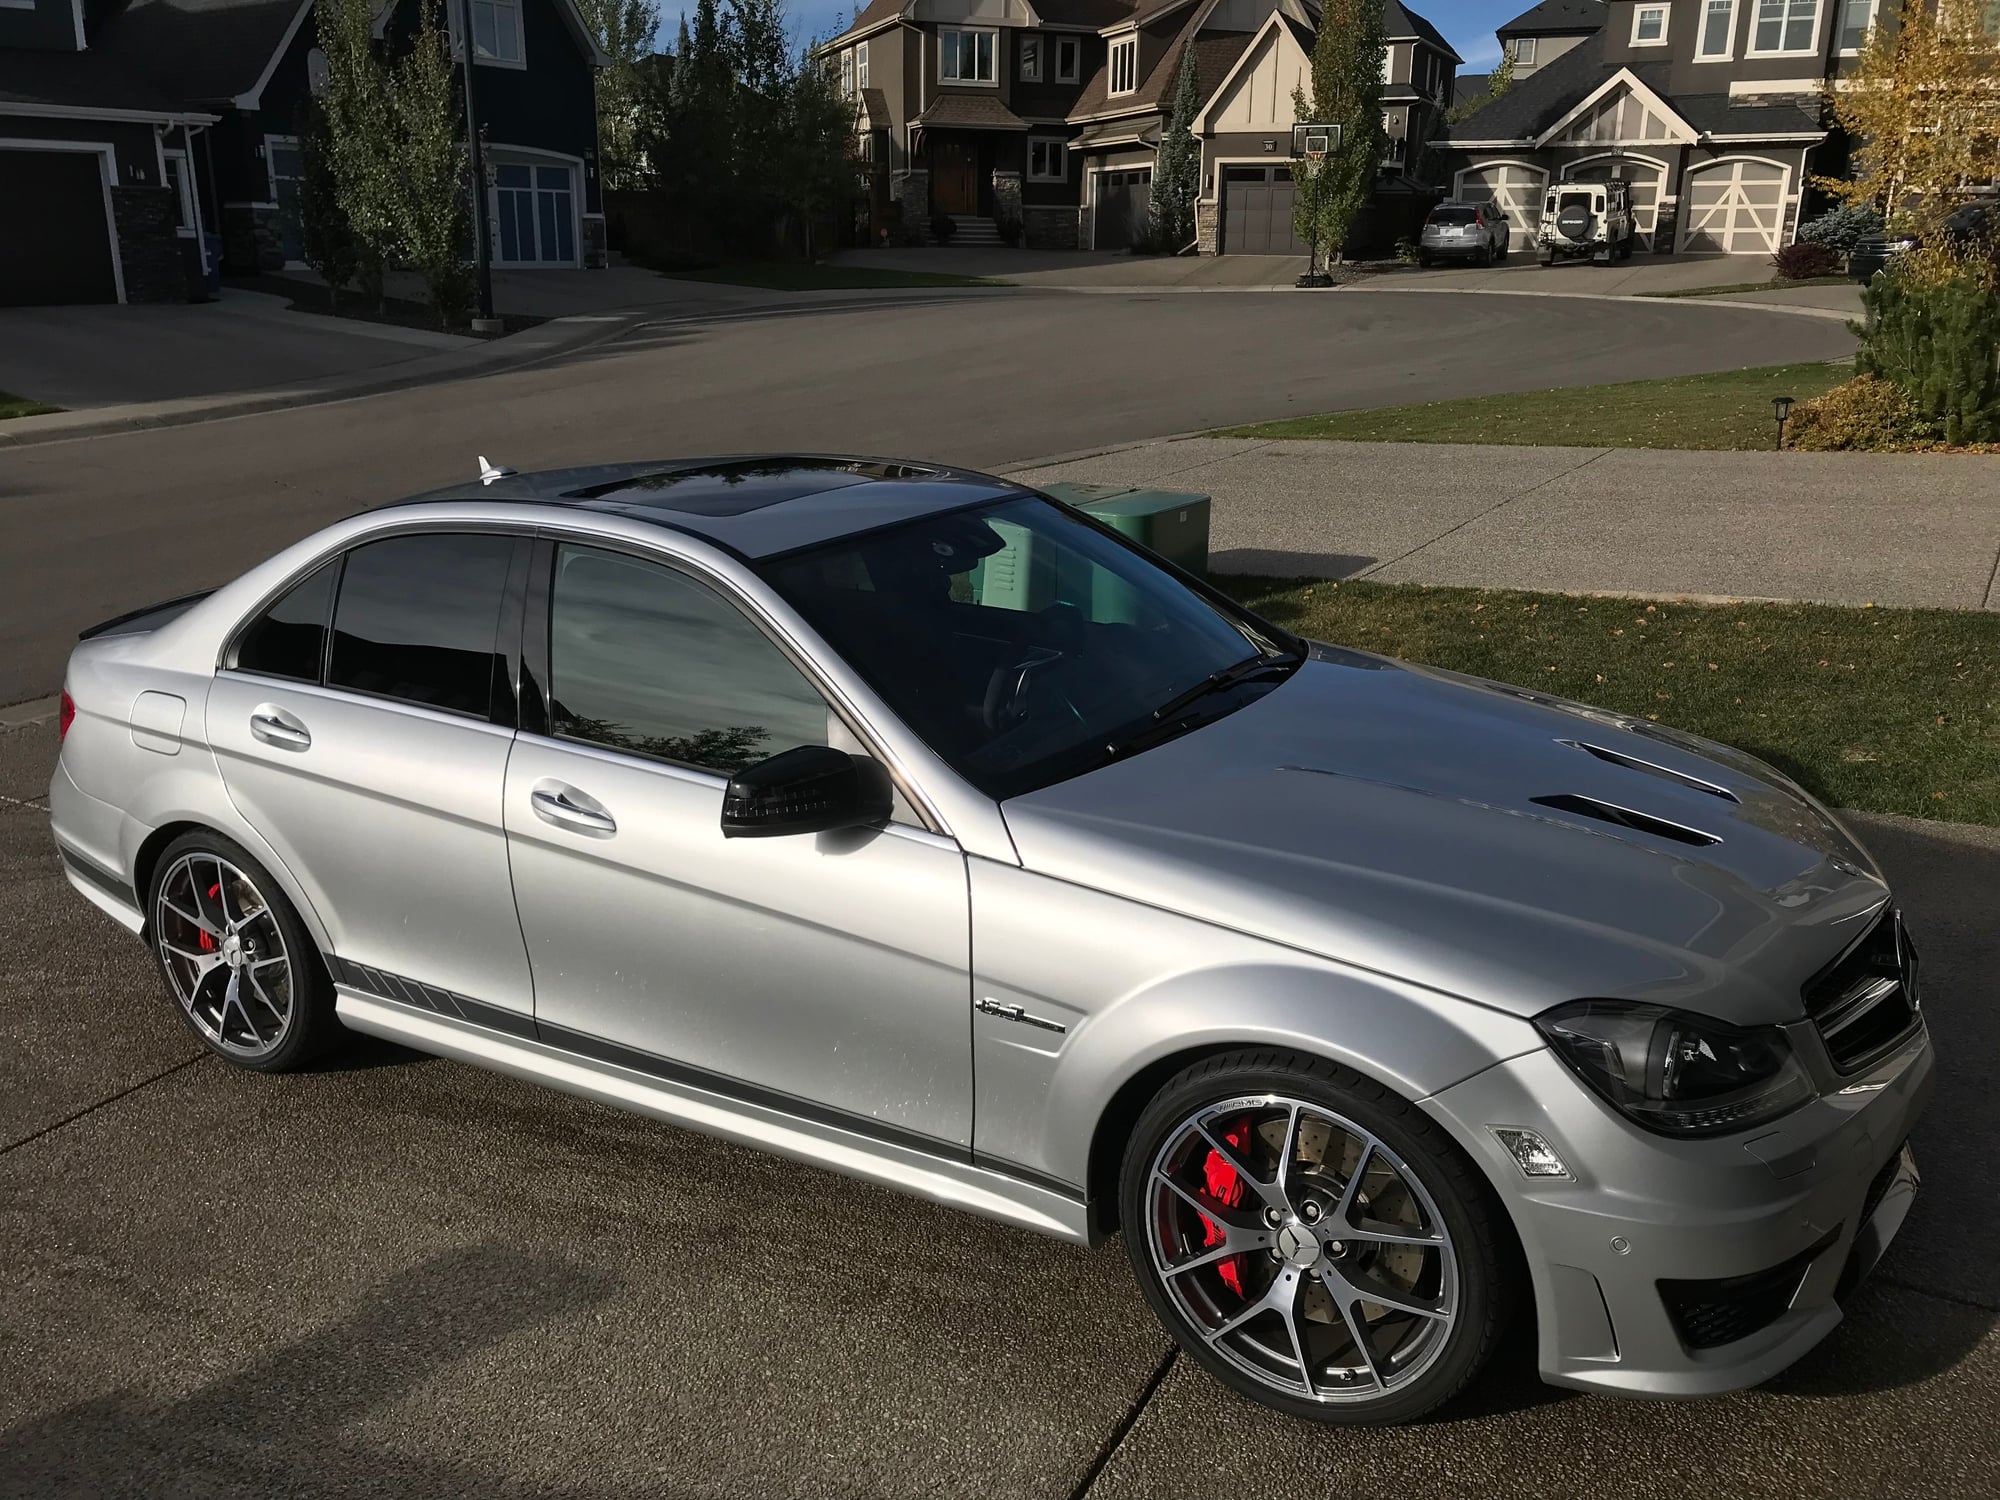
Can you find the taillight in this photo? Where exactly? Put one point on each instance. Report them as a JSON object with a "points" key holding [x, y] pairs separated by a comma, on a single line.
{"points": [[65, 715]]}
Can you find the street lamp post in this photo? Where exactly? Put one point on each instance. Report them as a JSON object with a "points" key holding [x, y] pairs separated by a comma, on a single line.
{"points": [[482, 260]]}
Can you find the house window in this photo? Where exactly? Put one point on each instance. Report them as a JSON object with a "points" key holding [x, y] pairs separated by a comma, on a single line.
{"points": [[183, 186], [1069, 57], [847, 73], [965, 56], [1048, 159], [1649, 26], [861, 65], [1718, 31], [1785, 26], [1125, 65], [1031, 59], [1857, 19], [1388, 64], [1523, 48], [496, 30]]}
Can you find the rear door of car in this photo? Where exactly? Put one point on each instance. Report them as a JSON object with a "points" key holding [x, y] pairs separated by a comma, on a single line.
{"points": [[827, 976], [362, 724]]}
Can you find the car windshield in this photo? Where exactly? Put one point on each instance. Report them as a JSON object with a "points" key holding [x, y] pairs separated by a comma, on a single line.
{"points": [[1451, 216], [1024, 644]]}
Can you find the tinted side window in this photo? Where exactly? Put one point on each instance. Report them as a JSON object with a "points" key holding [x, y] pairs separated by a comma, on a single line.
{"points": [[289, 638], [645, 659], [417, 618]]}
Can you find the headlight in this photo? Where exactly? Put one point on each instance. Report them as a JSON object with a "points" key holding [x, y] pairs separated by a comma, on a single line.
{"points": [[1677, 1073]]}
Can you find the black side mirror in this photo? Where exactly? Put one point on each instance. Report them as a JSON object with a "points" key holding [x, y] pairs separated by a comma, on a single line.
{"points": [[812, 789]]}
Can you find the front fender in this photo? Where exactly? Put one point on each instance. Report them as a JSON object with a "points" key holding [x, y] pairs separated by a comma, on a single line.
{"points": [[1136, 986]]}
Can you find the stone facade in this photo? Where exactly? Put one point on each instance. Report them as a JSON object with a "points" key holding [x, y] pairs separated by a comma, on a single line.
{"points": [[149, 249], [1049, 227], [250, 237], [913, 196], [1007, 197], [1207, 227]]}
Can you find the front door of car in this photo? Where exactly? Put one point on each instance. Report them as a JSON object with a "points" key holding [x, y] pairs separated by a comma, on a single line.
{"points": [[355, 729], [824, 974]]}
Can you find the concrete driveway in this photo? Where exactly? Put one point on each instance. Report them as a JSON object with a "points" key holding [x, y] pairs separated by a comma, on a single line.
{"points": [[400, 1276], [78, 357]]}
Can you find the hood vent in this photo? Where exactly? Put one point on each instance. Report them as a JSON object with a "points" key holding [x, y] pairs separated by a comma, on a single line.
{"points": [[1625, 817], [1633, 763]]}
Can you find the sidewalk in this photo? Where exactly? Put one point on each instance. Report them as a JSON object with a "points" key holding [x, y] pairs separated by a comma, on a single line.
{"points": [[1906, 529]]}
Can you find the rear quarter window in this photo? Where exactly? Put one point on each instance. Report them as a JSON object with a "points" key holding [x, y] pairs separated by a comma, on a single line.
{"points": [[289, 638]]}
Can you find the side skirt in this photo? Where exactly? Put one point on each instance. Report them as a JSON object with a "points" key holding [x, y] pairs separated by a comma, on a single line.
{"points": [[957, 1184]]}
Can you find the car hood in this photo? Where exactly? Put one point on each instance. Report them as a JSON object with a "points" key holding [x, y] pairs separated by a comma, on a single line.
{"points": [[1396, 818]]}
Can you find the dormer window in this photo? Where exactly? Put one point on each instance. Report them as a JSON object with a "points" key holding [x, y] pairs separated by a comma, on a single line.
{"points": [[1523, 48], [1125, 65], [1649, 26], [1069, 59]]}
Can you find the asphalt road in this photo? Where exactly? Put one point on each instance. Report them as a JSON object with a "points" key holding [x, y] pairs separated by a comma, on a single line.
{"points": [[97, 526], [400, 1276]]}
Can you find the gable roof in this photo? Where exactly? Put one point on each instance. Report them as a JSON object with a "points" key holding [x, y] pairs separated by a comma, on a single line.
{"points": [[1399, 23], [93, 84], [208, 51], [1544, 96], [1214, 56], [1556, 17]]}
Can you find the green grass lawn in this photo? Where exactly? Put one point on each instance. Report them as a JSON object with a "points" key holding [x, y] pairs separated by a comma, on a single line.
{"points": [[1729, 409], [1886, 710], [21, 406], [1773, 285], [798, 276]]}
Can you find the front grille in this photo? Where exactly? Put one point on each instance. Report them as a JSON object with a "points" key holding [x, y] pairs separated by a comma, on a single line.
{"points": [[1709, 1314], [1865, 1002]]}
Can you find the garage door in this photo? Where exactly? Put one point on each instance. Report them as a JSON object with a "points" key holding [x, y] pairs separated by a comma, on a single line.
{"points": [[1737, 207], [1645, 179], [65, 255], [1257, 208], [1124, 202], [1515, 189]]}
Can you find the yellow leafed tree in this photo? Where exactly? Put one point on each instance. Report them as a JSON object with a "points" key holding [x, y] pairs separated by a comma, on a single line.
{"points": [[1923, 106]]}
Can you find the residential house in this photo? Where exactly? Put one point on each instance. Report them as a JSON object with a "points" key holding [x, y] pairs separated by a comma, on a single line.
{"points": [[1049, 113], [1711, 109], [191, 111]]}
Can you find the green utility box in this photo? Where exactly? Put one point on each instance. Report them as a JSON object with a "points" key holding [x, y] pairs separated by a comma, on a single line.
{"points": [[1173, 524], [1017, 577]]}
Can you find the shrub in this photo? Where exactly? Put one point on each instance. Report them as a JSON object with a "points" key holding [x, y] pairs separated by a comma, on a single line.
{"points": [[1010, 231], [1142, 242], [1934, 332], [1841, 229], [1866, 413], [943, 227], [1407, 248], [1805, 260]]}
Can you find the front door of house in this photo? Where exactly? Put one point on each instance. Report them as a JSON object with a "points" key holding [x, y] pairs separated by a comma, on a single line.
{"points": [[955, 176]]}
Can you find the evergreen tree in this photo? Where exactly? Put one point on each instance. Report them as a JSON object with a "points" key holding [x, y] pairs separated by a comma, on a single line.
{"points": [[1177, 167], [1346, 91]]}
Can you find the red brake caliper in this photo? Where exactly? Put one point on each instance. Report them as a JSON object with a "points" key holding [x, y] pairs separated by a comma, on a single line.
{"points": [[208, 942], [1226, 1187]]}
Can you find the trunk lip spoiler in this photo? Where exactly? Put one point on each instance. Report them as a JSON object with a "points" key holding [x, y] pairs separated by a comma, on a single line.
{"points": [[106, 627]]}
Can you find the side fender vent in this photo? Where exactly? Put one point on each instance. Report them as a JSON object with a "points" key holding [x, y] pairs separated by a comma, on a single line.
{"points": [[1625, 817]]}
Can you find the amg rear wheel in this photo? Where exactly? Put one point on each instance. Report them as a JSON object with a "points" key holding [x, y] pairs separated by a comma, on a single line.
{"points": [[235, 956], [1313, 1240]]}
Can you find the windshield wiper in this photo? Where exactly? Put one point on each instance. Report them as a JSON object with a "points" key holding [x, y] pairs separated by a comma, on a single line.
{"points": [[1228, 677]]}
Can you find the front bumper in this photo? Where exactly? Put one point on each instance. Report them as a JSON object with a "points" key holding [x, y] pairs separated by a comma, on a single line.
{"points": [[1819, 1193]]}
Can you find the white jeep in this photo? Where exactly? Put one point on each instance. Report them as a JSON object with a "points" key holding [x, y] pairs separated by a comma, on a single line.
{"points": [[1587, 218]]}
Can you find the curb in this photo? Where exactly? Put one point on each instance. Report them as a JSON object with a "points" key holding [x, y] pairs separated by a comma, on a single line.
{"points": [[1627, 297]]}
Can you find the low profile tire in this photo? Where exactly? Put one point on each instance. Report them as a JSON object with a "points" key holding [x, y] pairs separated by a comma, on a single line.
{"points": [[238, 962], [1313, 1240], [1423, 262]]}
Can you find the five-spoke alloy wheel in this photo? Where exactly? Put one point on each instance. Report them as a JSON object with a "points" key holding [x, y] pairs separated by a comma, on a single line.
{"points": [[235, 956], [1312, 1239]]}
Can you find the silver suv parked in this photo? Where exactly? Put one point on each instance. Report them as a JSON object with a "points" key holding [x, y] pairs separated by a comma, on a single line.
{"points": [[1476, 232], [905, 822]]}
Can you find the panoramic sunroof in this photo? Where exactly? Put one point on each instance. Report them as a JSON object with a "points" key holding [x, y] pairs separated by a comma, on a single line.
{"points": [[739, 487]]}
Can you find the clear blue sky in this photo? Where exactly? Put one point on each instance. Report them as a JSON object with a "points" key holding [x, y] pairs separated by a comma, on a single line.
{"points": [[1467, 24]]}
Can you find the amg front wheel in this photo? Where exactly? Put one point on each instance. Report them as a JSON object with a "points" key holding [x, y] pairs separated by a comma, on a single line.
{"points": [[1313, 1240]]}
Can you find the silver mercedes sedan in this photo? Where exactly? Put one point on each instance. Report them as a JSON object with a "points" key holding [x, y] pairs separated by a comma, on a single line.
{"points": [[906, 822]]}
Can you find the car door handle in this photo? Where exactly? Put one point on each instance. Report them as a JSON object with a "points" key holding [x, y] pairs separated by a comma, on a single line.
{"points": [[566, 807], [274, 726]]}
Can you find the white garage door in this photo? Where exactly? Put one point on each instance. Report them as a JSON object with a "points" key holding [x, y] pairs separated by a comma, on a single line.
{"points": [[1645, 178], [1734, 206], [1516, 190]]}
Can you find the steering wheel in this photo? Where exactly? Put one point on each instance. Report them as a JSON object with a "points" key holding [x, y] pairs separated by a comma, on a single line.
{"points": [[1006, 705]]}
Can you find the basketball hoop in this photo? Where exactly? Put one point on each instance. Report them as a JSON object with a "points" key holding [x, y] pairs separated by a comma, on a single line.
{"points": [[1313, 142]]}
